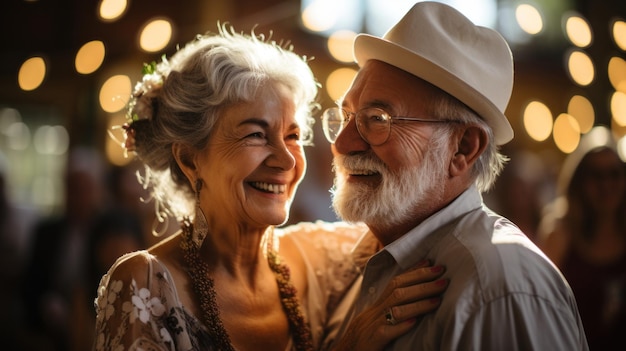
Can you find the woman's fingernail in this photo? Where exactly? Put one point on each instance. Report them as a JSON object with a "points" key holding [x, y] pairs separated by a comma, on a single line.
{"points": [[435, 300], [441, 282], [436, 269]]}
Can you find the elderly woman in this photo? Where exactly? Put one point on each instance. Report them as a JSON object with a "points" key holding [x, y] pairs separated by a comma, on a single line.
{"points": [[220, 127]]}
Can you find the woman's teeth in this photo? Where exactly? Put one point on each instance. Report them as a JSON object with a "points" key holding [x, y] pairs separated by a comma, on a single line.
{"points": [[270, 188]]}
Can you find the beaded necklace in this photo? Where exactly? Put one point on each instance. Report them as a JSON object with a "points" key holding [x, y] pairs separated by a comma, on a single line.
{"points": [[204, 287]]}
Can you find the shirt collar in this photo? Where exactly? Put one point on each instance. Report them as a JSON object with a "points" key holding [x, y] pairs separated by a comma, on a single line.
{"points": [[411, 248]]}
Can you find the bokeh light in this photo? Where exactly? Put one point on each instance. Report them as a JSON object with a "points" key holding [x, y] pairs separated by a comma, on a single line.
{"points": [[529, 19], [90, 57], [31, 73], [113, 147], [115, 93], [110, 10], [580, 68], [339, 81], [619, 34], [320, 15], [340, 45], [621, 148], [578, 31], [537, 120], [51, 140], [617, 73], [566, 133], [155, 35], [18, 136], [582, 110], [618, 108]]}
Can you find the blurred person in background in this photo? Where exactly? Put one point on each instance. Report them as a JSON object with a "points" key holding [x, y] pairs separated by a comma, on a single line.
{"points": [[57, 256], [115, 232], [15, 229], [584, 233], [128, 194], [517, 194]]}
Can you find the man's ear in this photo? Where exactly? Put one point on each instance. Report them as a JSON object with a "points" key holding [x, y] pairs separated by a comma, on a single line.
{"points": [[184, 156], [472, 144]]}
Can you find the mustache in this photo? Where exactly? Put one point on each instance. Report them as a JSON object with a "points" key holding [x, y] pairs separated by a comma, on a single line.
{"points": [[358, 162]]}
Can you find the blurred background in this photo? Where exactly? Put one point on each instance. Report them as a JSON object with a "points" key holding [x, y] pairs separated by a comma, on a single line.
{"points": [[67, 68]]}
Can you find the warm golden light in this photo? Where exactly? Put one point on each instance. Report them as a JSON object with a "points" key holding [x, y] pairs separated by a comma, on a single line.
{"points": [[618, 107], [580, 68], [617, 73], [319, 16], [115, 93], [582, 110], [89, 57], [155, 35], [111, 10], [566, 133], [537, 120], [619, 34], [578, 31], [340, 45], [113, 147], [32, 73], [621, 148], [618, 131], [529, 19], [338, 82]]}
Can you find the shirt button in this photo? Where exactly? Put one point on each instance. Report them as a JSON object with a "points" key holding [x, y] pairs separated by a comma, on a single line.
{"points": [[371, 290]]}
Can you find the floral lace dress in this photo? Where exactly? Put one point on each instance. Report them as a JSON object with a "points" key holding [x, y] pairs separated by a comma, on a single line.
{"points": [[140, 309]]}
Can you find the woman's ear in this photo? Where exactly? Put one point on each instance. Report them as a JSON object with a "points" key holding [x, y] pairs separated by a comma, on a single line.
{"points": [[472, 144], [184, 156]]}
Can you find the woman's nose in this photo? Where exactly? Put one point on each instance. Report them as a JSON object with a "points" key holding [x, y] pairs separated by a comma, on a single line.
{"points": [[281, 157]]}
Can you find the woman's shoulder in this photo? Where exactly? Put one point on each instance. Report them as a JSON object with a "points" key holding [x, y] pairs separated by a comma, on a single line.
{"points": [[321, 230], [143, 266], [321, 243], [129, 263], [325, 248]]}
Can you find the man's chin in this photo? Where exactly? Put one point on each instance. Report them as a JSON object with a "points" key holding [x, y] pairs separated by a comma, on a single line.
{"points": [[350, 204]]}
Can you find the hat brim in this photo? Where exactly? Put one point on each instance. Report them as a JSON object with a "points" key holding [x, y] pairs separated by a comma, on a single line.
{"points": [[368, 47]]}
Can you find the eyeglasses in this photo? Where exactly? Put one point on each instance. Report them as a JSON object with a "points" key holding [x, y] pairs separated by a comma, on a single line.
{"points": [[373, 124]]}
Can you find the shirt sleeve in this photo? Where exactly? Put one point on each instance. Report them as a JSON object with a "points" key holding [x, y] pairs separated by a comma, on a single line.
{"points": [[520, 322], [132, 312]]}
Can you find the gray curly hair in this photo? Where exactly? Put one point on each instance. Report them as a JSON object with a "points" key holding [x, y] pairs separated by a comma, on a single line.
{"points": [[181, 100]]}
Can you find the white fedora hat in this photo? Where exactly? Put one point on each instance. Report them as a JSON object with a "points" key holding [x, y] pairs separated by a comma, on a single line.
{"points": [[435, 42]]}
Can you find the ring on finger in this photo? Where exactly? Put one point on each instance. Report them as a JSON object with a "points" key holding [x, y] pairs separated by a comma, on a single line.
{"points": [[389, 317]]}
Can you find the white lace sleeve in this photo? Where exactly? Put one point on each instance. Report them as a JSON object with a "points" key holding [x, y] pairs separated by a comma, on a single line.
{"points": [[326, 249], [137, 308]]}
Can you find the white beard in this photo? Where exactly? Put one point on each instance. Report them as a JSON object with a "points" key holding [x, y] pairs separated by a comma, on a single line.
{"points": [[397, 198]]}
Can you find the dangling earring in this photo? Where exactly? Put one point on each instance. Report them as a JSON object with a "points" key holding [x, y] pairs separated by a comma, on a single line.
{"points": [[200, 227]]}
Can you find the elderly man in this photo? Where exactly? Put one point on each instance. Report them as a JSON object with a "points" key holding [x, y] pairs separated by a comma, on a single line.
{"points": [[415, 142]]}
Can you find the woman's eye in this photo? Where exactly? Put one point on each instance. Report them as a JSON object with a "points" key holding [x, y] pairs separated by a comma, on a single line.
{"points": [[256, 135], [294, 136]]}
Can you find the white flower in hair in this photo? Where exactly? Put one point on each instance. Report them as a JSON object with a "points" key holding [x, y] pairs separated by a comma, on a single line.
{"points": [[140, 106]]}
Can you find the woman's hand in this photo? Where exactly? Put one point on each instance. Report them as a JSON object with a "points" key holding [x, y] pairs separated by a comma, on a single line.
{"points": [[407, 297]]}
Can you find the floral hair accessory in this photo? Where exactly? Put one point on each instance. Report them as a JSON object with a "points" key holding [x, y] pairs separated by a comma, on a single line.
{"points": [[140, 106]]}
